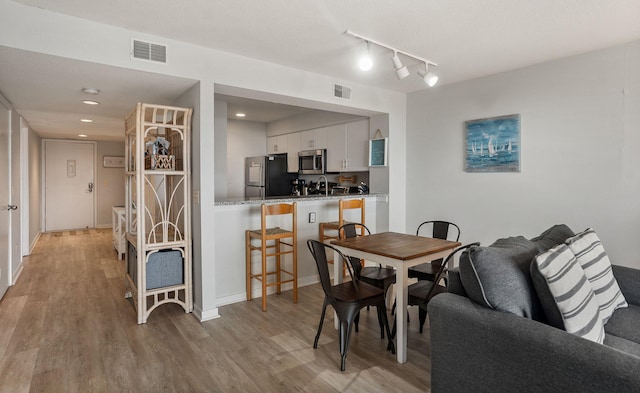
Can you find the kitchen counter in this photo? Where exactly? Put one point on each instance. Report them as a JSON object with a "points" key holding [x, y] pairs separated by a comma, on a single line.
{"points": [[292, 198], [234, 216]]}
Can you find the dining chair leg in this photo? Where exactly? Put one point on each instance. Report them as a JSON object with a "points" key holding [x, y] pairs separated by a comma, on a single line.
{"points": [[295, 271], [422, 314], [345, 336], [278, 267], [356, 321], [248, 263], [380, 311], [264, 275], [324, 310], [390, 346], [346, 317]]}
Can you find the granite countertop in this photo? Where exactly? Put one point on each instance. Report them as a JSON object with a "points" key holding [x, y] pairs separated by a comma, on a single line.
{"points": [[291, 198]]}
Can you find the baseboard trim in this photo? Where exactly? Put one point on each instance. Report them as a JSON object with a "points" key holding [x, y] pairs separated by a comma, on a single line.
{"points": [[257, 293], [207, 315], [17, 274], [33, 243]]}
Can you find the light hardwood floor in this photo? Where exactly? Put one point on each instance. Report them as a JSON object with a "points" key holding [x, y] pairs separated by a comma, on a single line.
{"points": [[66, 327]]}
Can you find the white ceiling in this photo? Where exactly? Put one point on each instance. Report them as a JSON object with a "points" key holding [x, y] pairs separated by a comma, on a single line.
{"points": [[467, 38]]}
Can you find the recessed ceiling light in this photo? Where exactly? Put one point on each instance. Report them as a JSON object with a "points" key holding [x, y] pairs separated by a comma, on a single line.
{"points": [[89, 102], [90, 90], [82, 135], [86, 120], [240, 114]]}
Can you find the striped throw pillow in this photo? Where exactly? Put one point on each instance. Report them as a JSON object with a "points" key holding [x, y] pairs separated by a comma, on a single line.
{"points": [[587, 247], [572, 292]]}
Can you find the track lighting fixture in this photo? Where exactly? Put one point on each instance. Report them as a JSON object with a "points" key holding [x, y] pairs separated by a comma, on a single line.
{"points": [[401, 70], [429, 77], [366, 63]]}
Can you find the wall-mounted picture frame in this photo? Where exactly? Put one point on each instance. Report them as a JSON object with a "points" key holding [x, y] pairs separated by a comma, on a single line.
{"points": [[493, 144], [113, 162], [378, 151]]}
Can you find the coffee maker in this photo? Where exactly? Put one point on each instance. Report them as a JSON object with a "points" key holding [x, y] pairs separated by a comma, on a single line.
{"points": [[298, 187]]}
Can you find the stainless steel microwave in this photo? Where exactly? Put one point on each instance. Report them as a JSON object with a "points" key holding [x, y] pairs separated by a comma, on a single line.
{"points": [[312, 162]]}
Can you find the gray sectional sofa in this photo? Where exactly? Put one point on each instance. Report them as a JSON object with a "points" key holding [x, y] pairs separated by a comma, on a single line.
{"points": [[490, 332]]}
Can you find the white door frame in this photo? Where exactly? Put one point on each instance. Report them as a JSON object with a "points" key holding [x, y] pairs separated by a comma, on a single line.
{"points": [[6, 277], [24, 185], [43, 216]]}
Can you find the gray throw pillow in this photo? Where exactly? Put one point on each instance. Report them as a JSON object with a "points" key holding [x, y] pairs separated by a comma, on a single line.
{"points": [[498, 277], [547, 301], [553, 236]]}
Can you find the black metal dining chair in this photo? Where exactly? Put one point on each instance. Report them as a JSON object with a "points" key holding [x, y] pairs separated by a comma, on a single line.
{"points": [[439, 230], [378, 276], [427, 271], [347, 299], [420, 293]]}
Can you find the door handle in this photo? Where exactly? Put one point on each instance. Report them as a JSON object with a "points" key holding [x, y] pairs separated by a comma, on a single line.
{"points": [[90, 189], [12, 207]]}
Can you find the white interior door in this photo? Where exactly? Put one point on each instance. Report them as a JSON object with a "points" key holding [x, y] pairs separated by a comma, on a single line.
{"points": [[69, 185], [16, 195], [5, 201]]}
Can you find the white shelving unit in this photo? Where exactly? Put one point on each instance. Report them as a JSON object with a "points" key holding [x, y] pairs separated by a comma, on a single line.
{"points": [[117, 223], [158, 208]]}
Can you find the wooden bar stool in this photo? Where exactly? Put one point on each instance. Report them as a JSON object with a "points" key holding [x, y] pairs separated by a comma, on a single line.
{"points": [[274, 249], [329, 230]]}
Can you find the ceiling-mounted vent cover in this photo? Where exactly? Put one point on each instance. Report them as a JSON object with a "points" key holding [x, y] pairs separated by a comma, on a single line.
{"points": [[342, 92], [148, 51]]}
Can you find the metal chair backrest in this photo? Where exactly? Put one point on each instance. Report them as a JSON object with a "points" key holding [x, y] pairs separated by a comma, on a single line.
{"points": [[319, 252], [441, 230], [443, 267], [348, 231]]}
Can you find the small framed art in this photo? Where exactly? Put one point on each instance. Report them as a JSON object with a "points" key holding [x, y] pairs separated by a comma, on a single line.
{"points": [[493, 144], [378, 151]]}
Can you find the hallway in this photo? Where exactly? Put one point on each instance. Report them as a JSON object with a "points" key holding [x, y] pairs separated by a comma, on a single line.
{"points": [[66, 327]]}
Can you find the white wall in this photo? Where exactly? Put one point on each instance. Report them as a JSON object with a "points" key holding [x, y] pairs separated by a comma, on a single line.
{"points": [[579, 164], [109, 183], [308, 121], [244, 139], [220, 142], [35, 181]]}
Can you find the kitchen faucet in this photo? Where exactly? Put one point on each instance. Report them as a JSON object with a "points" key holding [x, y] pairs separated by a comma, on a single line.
{"points": [[326, 184]]}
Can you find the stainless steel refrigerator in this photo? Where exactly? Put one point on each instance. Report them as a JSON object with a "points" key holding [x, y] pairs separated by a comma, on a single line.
{"points": [[267, 176]]}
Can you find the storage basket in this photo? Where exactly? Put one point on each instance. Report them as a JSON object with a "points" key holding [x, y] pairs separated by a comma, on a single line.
{"points": [[160, 162]]}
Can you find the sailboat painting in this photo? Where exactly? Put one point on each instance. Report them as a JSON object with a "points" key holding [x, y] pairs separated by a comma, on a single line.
{"points": [[493, 144]]}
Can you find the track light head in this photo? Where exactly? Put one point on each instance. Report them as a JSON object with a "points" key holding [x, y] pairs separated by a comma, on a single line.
{"points": [[366, 62], [429, 77], [401, 71]]}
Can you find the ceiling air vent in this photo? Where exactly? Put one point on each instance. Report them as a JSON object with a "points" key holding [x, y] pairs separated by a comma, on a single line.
{"points": [[148, 51], [342, 92]]}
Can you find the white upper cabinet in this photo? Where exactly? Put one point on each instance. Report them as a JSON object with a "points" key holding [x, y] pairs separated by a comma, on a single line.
{"points": [[277, 144], [293, 147], [358, 146], [313, 139], [336, 147], [347, 147]]}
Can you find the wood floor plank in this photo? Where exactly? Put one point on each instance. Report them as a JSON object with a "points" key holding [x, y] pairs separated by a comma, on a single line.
{"points": [[17, 371], [67, 327], [10, 311]]}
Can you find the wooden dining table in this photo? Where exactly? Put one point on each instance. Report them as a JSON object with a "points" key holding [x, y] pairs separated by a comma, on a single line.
{"points": [[401, 251]]}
